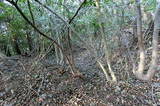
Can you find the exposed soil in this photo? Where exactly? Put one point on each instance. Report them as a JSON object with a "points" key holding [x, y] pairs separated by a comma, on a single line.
{"points": [[26, 81]]}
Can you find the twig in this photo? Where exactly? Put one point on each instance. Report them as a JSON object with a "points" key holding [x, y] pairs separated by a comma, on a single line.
{"points": [[21, 65], [153, 94], [51, 11], [152, 48], [30, 10], [30, 87], [41, 84], [77, 11]]}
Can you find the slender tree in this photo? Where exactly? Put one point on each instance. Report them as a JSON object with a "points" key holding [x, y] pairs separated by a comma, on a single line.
{"points": [[153, 67], [140, 38], [106, 48]]}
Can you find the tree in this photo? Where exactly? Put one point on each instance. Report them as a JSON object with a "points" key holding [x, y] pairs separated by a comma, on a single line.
{"points": [[153, 67], [106, 48]]}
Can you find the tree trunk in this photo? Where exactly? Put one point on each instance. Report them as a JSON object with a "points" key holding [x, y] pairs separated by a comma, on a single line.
{"points": [[106, 48], [29, 41], [140, 39], [152, 69], [15, 45]]}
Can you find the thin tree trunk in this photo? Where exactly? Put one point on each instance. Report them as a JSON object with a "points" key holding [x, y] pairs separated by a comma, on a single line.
{"points": [[15, 45], [152, 69], [106, 48], [140, 39], [29, 38], [29, 41], [156, 33], [70, 47]]}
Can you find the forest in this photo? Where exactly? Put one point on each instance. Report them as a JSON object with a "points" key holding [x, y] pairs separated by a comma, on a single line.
{"points": [[79, 53]]}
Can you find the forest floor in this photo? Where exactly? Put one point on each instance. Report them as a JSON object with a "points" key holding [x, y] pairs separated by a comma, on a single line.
{"points": [[26, 81]]}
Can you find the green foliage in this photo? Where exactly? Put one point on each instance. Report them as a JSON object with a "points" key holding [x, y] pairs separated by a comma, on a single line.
{"points": [[106, 1], [150, 5], [2, 5], [86, 22], [60, 1], [89, 3], [21, 1]]}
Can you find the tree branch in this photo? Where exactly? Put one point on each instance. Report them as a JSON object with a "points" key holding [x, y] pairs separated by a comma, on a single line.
{"points": [[89, 47], [30, 10], [77, 11], [41, 33], [51, 11]]}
